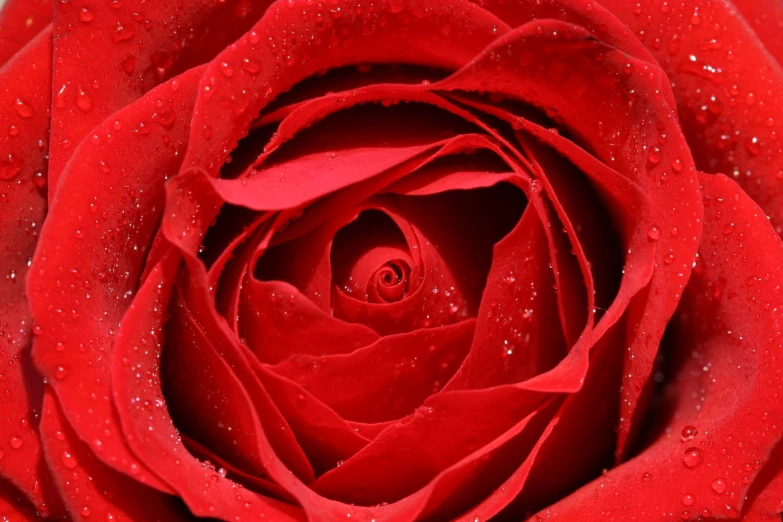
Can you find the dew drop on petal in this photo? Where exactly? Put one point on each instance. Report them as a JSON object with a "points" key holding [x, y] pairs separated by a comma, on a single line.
{"points": [[23, 109], [86, 15], [718, 486], [692, 457], [68, 460], [654, 156], [688, 433], [83, 100], [123, 32], [128, 64]]}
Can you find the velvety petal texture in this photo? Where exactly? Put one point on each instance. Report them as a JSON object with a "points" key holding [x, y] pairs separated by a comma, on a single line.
{"points": [[401, 260]]}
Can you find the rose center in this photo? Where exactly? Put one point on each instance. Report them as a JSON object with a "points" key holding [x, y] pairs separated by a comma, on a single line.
{"points": [[372, 261]]}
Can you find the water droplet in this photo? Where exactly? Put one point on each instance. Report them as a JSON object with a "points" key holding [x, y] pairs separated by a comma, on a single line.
{"points": [[10, 167], [226, 69], [86, 15], [85, 511], [105, 167], [23, 109], [692, 457], [251, 66], [688, 500], [83, 100], [688, 433], [15, 442], [654, 156], [128, 64], [68, 460], [753, 146], [654, 233], [677, 165], [123, 33], [60, 373], [165, 118], [728, 229], [718, 486]]}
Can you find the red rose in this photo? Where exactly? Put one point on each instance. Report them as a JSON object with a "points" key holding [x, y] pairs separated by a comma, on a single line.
{"points": [[395, 260]]}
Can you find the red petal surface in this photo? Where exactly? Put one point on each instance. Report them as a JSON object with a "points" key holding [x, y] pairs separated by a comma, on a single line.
{"points": [[725, 83], [765, 17], [107, 54], [717, 430], [91, 489], [20, 22], [24, 104], [91, 255], [141, 405]]}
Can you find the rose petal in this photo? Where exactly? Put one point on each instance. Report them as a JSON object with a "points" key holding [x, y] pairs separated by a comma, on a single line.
{"points": [[14, 507], [223, 115], [602, 120], [764, 17], [91, 489], [435, 437], [20, 22], [717, 431], [730, 120], [556, 465], [94, 273], [141, 405], [106, 55], [24, 103], [324, 436], [518, 334], [386, 380], [271, 310]]}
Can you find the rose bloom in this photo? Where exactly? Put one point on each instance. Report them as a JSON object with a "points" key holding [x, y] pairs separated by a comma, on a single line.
{"points": [[391, 260]]}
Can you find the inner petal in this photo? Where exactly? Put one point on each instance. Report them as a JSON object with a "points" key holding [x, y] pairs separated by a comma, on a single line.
{"points": [[372, 261]]}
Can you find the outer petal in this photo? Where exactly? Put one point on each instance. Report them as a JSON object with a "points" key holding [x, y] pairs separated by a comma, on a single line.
{"points": [[765, 17], [91, 254], [718, 426], [145, 415], [91, 489], [390, 33], [108, 53], [20, 22], [24, 106], [727, 87]]}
